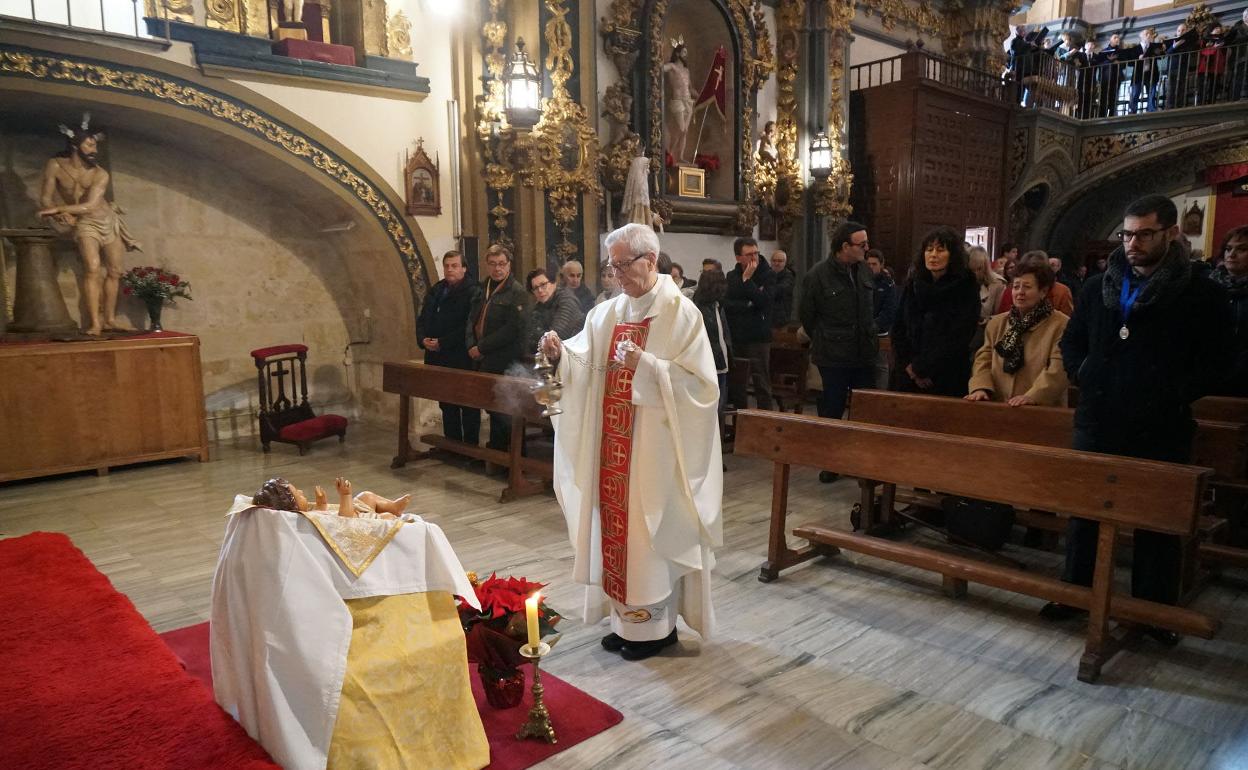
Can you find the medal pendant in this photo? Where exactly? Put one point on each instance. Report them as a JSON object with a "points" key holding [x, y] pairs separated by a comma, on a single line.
{"points": [[1124, 332]]}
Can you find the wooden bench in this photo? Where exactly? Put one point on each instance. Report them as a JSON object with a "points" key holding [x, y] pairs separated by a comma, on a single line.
{"points": [[1222, 446], [1224, 408], [1118, 493], [476, 390]]}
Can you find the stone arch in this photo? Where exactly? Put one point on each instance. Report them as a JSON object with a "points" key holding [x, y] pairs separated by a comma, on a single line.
{"points": [[230, 120]]}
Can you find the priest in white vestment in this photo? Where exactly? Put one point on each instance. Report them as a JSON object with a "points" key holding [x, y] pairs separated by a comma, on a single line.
{"points": [[637, 466]]}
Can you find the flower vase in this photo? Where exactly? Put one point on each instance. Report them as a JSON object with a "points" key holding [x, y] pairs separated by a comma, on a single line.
{"points": [[154, 306], [503, 689]]}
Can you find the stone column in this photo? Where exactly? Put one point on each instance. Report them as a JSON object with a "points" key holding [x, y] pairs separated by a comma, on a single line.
{"points": [[37, 304]]}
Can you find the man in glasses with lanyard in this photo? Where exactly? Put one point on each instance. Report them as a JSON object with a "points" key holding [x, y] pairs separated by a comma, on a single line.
{"points": [[638, 470], [1149, 336]]}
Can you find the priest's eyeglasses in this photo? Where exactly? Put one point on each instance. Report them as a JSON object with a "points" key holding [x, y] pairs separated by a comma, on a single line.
{"points": [[1144, 236], [619, 267]]}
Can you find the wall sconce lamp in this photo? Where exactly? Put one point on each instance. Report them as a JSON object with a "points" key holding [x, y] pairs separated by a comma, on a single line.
{"points": [[523, 91]]}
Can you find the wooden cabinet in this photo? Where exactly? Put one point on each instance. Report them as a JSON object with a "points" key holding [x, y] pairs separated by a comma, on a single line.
{"points": [[71, 406]]}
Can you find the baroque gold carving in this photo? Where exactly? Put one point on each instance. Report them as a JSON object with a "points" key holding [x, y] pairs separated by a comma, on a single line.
{"points": [[144, 83], [790, 17], [618, 156], [496, 141], [376, 39], [1018, 154], [1096, 150], [562, 152], [399, 36], [832, 195], [222, 14], [174, 10]]}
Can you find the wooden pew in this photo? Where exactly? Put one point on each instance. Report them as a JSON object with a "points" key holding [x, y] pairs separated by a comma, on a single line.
{"points": [[1222, 446], [1117, 492], [1224, 408], [478, 390]]}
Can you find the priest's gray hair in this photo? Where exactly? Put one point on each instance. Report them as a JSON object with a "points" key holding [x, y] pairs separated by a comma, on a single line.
{"points": [[640, 239]]}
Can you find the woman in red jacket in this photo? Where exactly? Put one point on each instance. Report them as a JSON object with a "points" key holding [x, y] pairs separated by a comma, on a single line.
{"points": [[1211, 66]]}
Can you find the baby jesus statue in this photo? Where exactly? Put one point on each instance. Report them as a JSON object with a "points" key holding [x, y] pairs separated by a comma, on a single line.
{"points": [[279, 494]]}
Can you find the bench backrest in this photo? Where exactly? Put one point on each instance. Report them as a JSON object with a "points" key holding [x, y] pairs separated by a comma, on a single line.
{"points": [[1163, 497], [1223, 408], [1222, 446], [495, 392]]}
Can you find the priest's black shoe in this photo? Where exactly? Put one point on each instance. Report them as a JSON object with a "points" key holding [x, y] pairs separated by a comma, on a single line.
{"points": [[1168, 638], [827, 477], [643, 650], [613, 642], [1058, 611]]}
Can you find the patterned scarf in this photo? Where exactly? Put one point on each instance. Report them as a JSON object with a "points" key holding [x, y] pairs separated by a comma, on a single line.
{"points": [[1010, 346], [1236, 286]]}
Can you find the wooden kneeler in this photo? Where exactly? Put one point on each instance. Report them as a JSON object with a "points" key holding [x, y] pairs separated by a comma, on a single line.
{"points": [[1116, 492]]}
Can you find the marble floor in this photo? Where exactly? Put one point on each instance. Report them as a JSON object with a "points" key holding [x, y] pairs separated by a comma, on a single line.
{"points": [[844, 663]]}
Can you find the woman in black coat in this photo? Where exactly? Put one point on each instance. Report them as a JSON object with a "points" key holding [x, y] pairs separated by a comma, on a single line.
{"points": [[937, 316]]}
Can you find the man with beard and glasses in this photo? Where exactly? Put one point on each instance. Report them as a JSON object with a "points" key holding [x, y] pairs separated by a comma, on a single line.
{"points": [[72, 197], [1149, 336]]}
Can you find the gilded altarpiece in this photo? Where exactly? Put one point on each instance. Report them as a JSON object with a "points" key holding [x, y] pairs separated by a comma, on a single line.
{"points": [[641, 37]]}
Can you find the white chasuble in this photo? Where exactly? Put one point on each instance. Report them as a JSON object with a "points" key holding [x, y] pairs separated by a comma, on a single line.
{"points": [[668, 449]]}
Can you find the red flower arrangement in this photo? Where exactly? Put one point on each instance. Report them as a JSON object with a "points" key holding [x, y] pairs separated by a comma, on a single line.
{"points": [[496, 633], [151, 284], [706, 162]]}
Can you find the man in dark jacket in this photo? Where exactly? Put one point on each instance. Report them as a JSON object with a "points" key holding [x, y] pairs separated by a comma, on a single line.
{"points": [[495, 333], [440, 333], [1146, 72], [748, 305], [1181, 53], [837, 311], [786, 287], [885, 308], [555, 309], [1148, 337]]}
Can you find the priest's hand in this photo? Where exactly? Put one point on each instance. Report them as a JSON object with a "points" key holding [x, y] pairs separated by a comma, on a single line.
{"points": [[551, 345], [628, 355]]}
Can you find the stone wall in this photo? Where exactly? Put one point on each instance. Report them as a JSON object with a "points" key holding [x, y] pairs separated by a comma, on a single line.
{"points": [[262, 271]]}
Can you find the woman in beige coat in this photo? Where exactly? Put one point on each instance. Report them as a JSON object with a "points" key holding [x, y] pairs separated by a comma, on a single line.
{"points": [[1019, 362]]}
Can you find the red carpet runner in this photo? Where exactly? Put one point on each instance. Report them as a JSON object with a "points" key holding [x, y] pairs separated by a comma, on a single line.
{"points": [[575, 714], [86, 684]]}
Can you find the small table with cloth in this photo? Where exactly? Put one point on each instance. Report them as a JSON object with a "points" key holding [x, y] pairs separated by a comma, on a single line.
{"points": [[336, 643]]}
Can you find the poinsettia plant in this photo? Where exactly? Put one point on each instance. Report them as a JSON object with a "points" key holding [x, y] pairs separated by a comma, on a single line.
{"points": [[152, 283], [706, 162], [496, 633]]}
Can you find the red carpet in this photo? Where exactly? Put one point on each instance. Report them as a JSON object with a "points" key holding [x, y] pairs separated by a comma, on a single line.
{"points": [[575, 714], [86, 684]]}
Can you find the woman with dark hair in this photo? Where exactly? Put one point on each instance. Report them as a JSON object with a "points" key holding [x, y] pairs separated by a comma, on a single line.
{"points": [[1020, 362], [555, 309], [937, 316], [709, 297], [1232, 275]]}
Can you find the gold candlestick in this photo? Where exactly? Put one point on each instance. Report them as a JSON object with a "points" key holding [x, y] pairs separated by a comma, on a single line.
{"points": [[538, 723]]}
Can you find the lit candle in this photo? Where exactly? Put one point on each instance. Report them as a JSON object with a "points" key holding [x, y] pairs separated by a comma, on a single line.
{"points": [[530, 613]]}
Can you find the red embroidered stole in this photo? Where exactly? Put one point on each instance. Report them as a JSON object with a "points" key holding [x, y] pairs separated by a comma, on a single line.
{"points": [[615, 457]]}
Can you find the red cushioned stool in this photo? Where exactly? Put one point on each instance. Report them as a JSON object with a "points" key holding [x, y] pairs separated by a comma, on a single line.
{"points": [[290, 419]]}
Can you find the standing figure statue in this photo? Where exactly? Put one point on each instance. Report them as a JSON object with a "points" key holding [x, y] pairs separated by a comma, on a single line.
{"points": [[293, 11], [72, 198], [679, 99]]}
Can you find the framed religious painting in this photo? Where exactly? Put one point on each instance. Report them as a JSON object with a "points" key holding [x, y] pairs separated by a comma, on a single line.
{"points": [[420, 178]]}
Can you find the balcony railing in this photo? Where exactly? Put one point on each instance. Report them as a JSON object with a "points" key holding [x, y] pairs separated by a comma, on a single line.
{"points": [[116, 17], [1169, 82], [920, 64]]}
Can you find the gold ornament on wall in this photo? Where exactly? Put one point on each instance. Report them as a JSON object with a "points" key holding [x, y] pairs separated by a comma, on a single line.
{"points": [[561, 155], [832, 194], [399, 36], [790, 17], [173, 10], [493, 133]]}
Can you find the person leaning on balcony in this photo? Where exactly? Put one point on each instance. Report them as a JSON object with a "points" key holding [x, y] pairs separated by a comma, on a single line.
{"points": [[1211, 67], [1180, 51], [1110, 75], [1020, 362]]}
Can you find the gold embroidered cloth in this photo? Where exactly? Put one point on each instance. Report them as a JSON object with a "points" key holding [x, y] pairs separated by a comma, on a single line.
{"points": [[355, 541], [406, 698]]}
